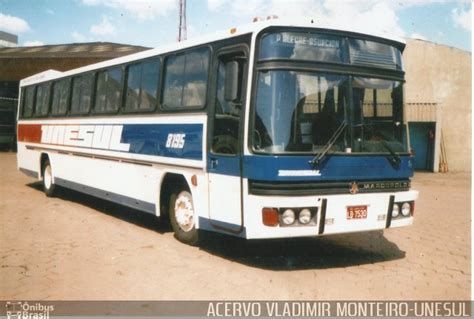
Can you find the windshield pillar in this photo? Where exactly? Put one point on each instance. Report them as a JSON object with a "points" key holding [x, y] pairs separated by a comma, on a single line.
{"points": [[350, 117]]}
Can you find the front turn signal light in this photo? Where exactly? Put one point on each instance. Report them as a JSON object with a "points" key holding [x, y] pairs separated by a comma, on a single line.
{"points": [[270, 216]]}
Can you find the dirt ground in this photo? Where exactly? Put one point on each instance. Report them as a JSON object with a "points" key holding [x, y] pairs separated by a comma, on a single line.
{"points": [[75, 247]]}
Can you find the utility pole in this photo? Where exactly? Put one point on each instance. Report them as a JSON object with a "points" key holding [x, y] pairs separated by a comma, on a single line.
{"points": [[182, 21]]}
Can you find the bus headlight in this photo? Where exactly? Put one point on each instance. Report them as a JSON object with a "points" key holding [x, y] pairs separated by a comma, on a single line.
{"points": [[304, 216], [395, 210], [406, 208], [288, 217]]}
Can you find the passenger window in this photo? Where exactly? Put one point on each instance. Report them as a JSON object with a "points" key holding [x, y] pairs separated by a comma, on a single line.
{"points": [[174, 78], [142, 85], [133, 87], [59, 105], [29, 100], [101, 92], [108, 91], [149, 85], [195, 84], [38, 98], [81, 94], [64, 98], [42, 99], [56, 97], [185, 83]]}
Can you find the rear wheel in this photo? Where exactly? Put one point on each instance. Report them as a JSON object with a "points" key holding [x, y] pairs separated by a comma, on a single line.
{"points": [[48, 186], [183, 218]]}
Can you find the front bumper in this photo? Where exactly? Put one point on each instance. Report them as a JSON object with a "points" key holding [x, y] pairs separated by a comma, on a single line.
{"points": [[333, 221]]}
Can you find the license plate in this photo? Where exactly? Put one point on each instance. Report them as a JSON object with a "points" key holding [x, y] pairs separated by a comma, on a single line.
{"points": [[357, 212]]}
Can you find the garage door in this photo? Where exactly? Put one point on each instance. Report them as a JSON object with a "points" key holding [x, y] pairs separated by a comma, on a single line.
{"points": [[422, 143]]}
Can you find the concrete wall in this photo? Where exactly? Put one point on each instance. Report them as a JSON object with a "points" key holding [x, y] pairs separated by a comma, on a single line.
{"points": [[441, 76]]}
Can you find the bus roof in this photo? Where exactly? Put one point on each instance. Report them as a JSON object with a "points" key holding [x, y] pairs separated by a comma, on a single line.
{"points": [[251, 28]]}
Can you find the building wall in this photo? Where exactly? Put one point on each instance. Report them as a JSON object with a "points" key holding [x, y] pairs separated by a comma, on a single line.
{"points": [[438, 88]]}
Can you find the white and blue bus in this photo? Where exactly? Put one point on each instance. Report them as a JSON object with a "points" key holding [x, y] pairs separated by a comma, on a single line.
{"points": [[270, 130]]}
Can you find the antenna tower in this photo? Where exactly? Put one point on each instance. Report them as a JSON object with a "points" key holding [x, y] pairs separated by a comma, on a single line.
{"points": [[182, 21]]}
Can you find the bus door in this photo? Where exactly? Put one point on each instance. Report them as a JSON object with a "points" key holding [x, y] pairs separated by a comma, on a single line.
{"points": [[226, 140]]}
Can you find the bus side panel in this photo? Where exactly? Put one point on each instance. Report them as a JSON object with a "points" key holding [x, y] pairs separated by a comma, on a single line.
{"points": [[28, 161], [133, 182], [129, 176], [136, 186]]}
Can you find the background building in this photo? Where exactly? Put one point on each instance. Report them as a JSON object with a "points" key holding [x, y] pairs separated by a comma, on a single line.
{"points": [[438, 105], [17, 63], [8, 39]]}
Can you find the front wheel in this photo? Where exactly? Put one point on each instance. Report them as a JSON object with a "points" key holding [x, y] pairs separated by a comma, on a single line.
{"points": [[182, 218], [48, 186]]}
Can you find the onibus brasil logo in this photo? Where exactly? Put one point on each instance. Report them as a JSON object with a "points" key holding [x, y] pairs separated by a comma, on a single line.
{"points": [[25, 310]]}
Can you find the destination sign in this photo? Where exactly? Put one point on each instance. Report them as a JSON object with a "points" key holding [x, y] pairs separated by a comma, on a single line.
{"points": [[310, 40], [302, 46]]}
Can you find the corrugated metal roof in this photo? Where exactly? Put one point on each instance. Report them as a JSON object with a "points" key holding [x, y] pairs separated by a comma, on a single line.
{"points": [[92, 49]]}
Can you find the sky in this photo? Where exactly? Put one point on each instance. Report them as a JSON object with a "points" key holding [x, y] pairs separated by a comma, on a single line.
{"points": [[154, 22]]}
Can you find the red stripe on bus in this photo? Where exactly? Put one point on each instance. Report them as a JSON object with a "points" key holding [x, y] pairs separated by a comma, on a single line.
{"points": [[29, 133]]}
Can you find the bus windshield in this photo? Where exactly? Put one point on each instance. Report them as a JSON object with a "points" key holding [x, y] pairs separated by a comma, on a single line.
{"points": [[299, 112], [378, 115]]}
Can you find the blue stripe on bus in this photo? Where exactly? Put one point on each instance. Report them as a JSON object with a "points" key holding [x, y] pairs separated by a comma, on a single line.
{"points": [[150, 139], [226, 165], [352, 167], [297, 168]]}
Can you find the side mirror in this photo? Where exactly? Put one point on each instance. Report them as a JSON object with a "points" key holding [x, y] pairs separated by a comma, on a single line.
{"points": [[231, 83]]}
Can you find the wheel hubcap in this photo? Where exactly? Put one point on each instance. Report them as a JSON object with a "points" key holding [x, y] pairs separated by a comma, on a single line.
{"points": [[48, 178], [184, 212]]}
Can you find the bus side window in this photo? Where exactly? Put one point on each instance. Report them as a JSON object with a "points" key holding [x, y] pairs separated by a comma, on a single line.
{"points": [[81, 94], [173, 81], [132, 99], [29, 101], [108, 90], [149, 85], [142, 86], [60, 97], [38, 99], [195, 83], [42, 100], [227, 112], [185, 80], [56, 95]]}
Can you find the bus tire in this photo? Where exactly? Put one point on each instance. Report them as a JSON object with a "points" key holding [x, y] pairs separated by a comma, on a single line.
{"points": [[182, 217], [49, 187]]}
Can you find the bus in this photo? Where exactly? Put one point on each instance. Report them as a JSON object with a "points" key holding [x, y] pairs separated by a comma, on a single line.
{"points": [[269, 130]]}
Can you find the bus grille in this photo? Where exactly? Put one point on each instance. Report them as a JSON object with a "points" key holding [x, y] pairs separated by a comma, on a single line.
{"points": [[327, 187]]}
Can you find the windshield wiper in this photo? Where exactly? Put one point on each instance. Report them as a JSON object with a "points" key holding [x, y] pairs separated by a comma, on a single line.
{"points": [[320, 155], [394, 157]]}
